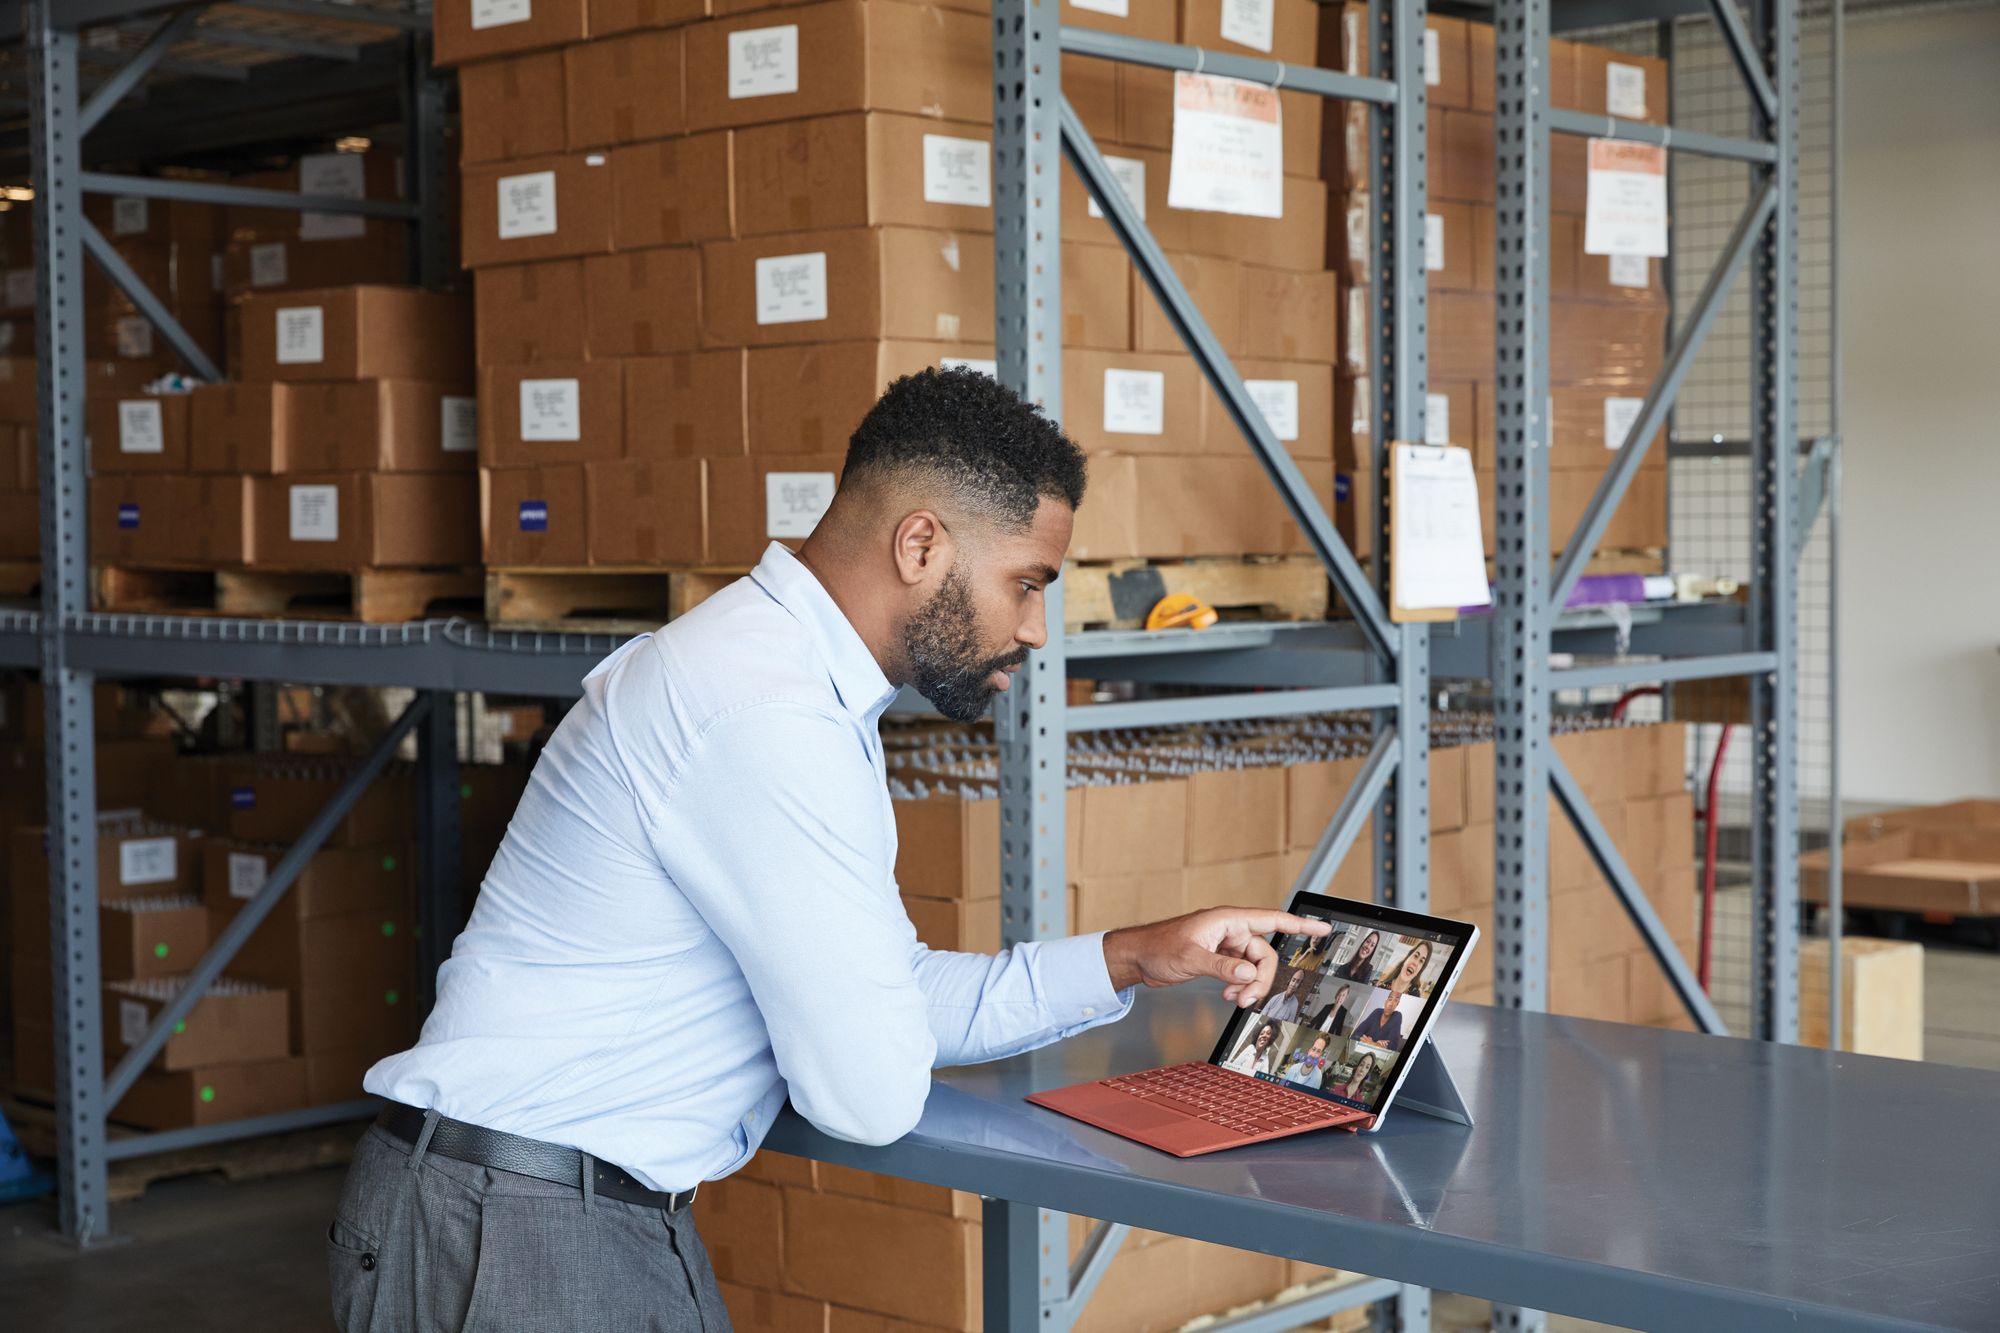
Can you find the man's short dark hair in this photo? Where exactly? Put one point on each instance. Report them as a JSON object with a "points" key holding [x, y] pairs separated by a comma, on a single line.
{"points": [[997, 450]]}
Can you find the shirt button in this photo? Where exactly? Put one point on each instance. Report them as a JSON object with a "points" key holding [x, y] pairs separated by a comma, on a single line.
{"points": [[1090, 1011]]}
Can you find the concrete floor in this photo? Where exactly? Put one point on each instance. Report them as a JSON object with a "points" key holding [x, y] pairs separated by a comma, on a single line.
{"points": [[203, 1254]]}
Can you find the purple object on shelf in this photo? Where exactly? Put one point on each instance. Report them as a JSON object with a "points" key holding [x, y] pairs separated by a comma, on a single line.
{"points": [[1601, 589]]}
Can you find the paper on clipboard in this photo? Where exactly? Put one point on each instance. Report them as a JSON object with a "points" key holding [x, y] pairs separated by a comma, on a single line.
{"points": [[1438, 556]]}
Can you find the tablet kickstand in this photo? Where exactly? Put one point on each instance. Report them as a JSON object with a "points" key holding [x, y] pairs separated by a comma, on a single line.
{"points": [[1429, 1088]]}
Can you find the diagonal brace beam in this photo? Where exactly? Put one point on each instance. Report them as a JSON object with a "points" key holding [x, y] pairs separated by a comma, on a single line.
{"points": [[1637, 905], [1345, 826], [1099, 1249], [1181, 312], [1660, 399], [1814, 477], [142, 63], [1744, 52], [150, 305], [252, 914]]}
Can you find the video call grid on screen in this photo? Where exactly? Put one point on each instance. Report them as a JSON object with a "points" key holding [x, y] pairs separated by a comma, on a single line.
{"points": [[1342, 1008]]}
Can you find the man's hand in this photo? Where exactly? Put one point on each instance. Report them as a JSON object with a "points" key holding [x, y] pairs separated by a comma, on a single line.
{"points": [[1222, 942]]}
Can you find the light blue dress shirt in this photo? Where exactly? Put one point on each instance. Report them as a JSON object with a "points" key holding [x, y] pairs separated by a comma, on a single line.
{"points": [[694, 913]]}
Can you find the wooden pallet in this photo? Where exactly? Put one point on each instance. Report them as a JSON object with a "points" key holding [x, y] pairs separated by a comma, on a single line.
{"points": [[34, 1123], [1117, 594], [20, 579], [598, 600], [372, 595]]}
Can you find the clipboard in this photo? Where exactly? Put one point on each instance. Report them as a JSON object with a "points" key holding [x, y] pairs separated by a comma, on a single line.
{"points": [[1399, 613]]}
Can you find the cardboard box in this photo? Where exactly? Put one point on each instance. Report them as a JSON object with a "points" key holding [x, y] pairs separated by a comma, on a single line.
{"points": [[643, 303], [1097, 285], [530, 313], [865, 55], [955, 925], [755, 501], [351, 977], [1295, 315], [742, 1227], [211, 1094], [689, 405], [216, 520], [463, 30], [537, 208], [352, 333], [1461, 345], [1313, 792], [853, 1183], [1462, 863], [131, 517], [277, 799], [1217, 288], [1454, 267], [772, 1311], [267, 261], [1137, 827], [1597, 989], [673, 192], [1447, 62], [18, 464], [1577, 438], [948, 847], [1146, 117], [1132, 402], [609, 16], [823, 286], [1462, 156], [20, 527], [646, 511], [534, 515], [1260, 881], [808, 398], [1613, 83], [152, 936], [134, 859], [142, 433], [862, 170], [511, 108], [1576, 275], [554, 412], [1286, 30], [860, 1254], [1140, 506], [1134, 167], [1296, 398], [334, 520], [1881, 996], [1154, 22], [364, 878], [623, 89], [242, 428], [1235, 814], [384, 426], [333, 1077], [236, 1022]]}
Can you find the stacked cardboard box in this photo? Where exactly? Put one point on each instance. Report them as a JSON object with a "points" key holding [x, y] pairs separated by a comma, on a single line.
{"points": [[703, 245], [172, 245], [1607, 314], [349, 444], [281, 249]]}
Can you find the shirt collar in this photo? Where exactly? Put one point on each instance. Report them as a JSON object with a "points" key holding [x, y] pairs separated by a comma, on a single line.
{"points": [[857, 677]]}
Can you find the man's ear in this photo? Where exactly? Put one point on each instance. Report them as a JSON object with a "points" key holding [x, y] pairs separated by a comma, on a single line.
{"points": [[922, 547]]}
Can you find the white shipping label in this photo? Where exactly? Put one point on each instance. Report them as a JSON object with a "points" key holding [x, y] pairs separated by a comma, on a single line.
{"points": [[315, 513], [268, 265], [1437, 418], [1631, 271], [301, 335], [1358, 417], [458, 424], [794, 502], [1357, 233], [958, 171], [1248, 23], [133, 1020], [1350, 48], [147, 861], [128, 216], [1130, 173], [527, 205], [1355, 335], [139, 427], [135, 335], [1434, 242], [1135, 402], [1433, 58], [990, 369], [1619, 414], [1229, 153], [1625, 90], [247, 872], [1122, 8], [791, 289], [498, 13], [551, 410], [337, 174], [1625, 206], [1278, 400], [764, 62], [20, 287]]}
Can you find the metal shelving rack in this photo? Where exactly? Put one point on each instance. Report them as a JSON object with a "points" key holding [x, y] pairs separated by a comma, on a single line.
{"points": [[1367, 663]]}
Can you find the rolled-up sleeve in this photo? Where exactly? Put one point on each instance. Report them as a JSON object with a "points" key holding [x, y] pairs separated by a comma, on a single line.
{"points": [[990, 1006]]}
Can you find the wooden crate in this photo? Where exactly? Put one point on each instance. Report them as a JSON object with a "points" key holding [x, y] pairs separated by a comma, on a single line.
{"points": [[1117, 594], [609, 600], [1918, 869], [1881, 996], [370, 595]]}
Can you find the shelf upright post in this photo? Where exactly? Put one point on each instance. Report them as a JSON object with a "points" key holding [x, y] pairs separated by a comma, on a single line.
{"points": [[440, 887], [55, 134], [1774, 606], [427, 162], [1027, 1251]]}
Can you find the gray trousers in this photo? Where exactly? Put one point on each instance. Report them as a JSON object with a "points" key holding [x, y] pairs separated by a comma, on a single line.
{"points": [[436, 1245]]}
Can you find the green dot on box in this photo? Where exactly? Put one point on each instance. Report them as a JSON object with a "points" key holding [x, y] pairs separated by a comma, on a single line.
{"points": [[388, 928], [389, 997], [180, 1026], [388, 863], [207, 1093], [465, 791], [160, 949]]}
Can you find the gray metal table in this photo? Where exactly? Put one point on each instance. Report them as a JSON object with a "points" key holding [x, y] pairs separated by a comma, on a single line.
{"points": [[1653, 1179]]}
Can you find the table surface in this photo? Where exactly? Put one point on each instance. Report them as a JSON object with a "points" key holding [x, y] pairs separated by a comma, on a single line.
{"points": [[1637, 1176]]}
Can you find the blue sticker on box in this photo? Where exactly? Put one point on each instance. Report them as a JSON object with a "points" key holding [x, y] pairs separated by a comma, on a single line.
{"points": [[1343, 486], [534, 515], [243, 798], [128, 515]]}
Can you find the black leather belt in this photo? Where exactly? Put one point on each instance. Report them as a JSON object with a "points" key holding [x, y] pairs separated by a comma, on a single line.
{"points": [[525, 1157]]}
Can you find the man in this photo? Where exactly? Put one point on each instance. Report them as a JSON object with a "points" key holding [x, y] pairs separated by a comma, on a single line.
{"points": [[1333, 1017], [1285, 1007], [626, 1011], [1384, 1027]]}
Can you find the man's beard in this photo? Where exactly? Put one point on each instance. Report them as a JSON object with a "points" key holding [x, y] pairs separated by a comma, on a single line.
{"points": [[943, 648]]}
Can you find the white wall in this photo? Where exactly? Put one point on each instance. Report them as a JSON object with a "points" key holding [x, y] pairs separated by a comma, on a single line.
{"points": [[1920, 288]]}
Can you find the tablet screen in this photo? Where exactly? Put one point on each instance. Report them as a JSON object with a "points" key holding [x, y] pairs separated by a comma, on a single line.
{"points": [[1345, 1007]]}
